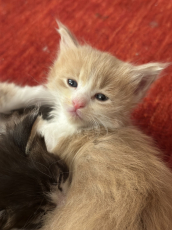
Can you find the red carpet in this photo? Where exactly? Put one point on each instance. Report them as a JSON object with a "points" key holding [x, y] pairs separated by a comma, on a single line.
{"points": [[138, 31]]}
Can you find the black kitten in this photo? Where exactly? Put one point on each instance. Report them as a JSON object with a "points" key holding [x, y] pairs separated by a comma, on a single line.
{"points": [[28, 174]]}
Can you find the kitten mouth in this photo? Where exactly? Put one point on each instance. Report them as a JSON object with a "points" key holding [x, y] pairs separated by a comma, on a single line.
{"points": [[75, 114]]}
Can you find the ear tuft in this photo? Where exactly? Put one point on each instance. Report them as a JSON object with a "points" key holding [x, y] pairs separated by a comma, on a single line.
{"points": [[68, 40], [144, 75]]}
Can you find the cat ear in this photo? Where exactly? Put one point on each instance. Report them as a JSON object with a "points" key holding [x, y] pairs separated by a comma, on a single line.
{"points": [[68, 40], [143, 76], [22, 131]]}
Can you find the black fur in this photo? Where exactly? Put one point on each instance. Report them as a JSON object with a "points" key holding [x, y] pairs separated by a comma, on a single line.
{"points": [[26, 180]]}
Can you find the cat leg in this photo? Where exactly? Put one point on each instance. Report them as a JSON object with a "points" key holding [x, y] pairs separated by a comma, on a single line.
{"points": [[14, 97]]}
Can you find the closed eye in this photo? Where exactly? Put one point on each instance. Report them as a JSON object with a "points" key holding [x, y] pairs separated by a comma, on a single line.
{"points": [[101, 97]]}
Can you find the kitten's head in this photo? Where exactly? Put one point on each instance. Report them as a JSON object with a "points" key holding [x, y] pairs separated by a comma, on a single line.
{"points": [[95, 88]]}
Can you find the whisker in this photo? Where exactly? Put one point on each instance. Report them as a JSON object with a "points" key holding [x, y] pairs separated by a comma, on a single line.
{"points": [[32, 216], [40, 170]]}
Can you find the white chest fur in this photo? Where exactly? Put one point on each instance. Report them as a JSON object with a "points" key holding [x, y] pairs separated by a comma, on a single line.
{"points": [[54, 129]]}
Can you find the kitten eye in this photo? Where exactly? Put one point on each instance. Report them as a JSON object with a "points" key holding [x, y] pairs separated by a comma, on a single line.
{"points": [[72, 83], [101, 97]]}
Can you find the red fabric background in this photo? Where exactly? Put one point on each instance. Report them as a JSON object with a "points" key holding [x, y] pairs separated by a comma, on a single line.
{"points": [[138, 31]]}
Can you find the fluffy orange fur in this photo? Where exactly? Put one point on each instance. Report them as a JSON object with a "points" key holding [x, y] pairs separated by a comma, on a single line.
{"points": [[118, 181]]}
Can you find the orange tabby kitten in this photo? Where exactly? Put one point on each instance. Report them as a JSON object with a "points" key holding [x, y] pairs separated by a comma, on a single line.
{"points": [[117, 181]]}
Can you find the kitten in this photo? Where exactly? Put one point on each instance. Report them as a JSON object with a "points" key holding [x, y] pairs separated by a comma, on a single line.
{"points": [[118, 180], [29, 175], [87, 88]]}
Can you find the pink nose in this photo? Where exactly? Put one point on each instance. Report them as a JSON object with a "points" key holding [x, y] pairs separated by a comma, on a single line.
{"points": [[78, 104]]}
